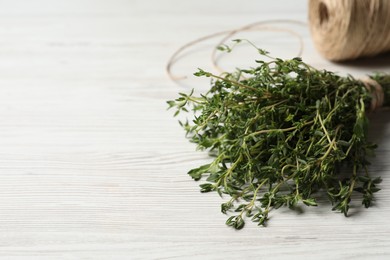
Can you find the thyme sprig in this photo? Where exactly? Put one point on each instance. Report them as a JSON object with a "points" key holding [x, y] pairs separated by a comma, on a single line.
{"points": [[279, 134]]}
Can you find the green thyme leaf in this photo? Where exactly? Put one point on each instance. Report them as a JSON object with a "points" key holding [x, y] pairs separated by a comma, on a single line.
{"points": [[279, 134]]}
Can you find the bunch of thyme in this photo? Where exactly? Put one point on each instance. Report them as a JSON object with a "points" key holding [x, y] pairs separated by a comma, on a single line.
{"points": [[280, 133]]}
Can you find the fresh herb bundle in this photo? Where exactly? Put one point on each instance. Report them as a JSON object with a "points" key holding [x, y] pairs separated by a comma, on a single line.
{"points": [[280, 133]]}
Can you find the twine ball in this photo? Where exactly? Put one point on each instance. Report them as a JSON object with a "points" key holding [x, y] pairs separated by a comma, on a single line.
{"points": [[349, 29]]}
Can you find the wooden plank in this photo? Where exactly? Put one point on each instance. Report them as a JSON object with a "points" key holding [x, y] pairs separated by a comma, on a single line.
{"points": [[92, 166]]}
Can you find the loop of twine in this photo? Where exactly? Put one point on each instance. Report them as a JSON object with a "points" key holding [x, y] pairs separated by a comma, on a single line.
{"points": [[376, 91], [348, 29], [261, 25]]}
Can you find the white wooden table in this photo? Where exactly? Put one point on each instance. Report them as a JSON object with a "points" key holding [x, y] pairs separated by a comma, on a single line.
{"points": [[92, 166]]}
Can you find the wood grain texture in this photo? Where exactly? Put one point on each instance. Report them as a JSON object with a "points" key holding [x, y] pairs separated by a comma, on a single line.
{"points": [[92, 166]]}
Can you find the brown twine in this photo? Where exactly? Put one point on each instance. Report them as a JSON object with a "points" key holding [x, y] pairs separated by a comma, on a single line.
{"points": [[227, 35], [348, 29], [214, 59], [371, 85], [376, 91]]}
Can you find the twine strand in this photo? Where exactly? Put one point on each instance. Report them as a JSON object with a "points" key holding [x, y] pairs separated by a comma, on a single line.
{"points": [[376, 91], [260, 25]]}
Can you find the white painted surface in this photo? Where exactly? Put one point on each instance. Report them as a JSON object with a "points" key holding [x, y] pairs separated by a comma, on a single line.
{"points": [[92, 166]]}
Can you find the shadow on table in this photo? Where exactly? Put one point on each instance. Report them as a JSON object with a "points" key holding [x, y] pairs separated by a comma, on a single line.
{"points": [[377, 63]]}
